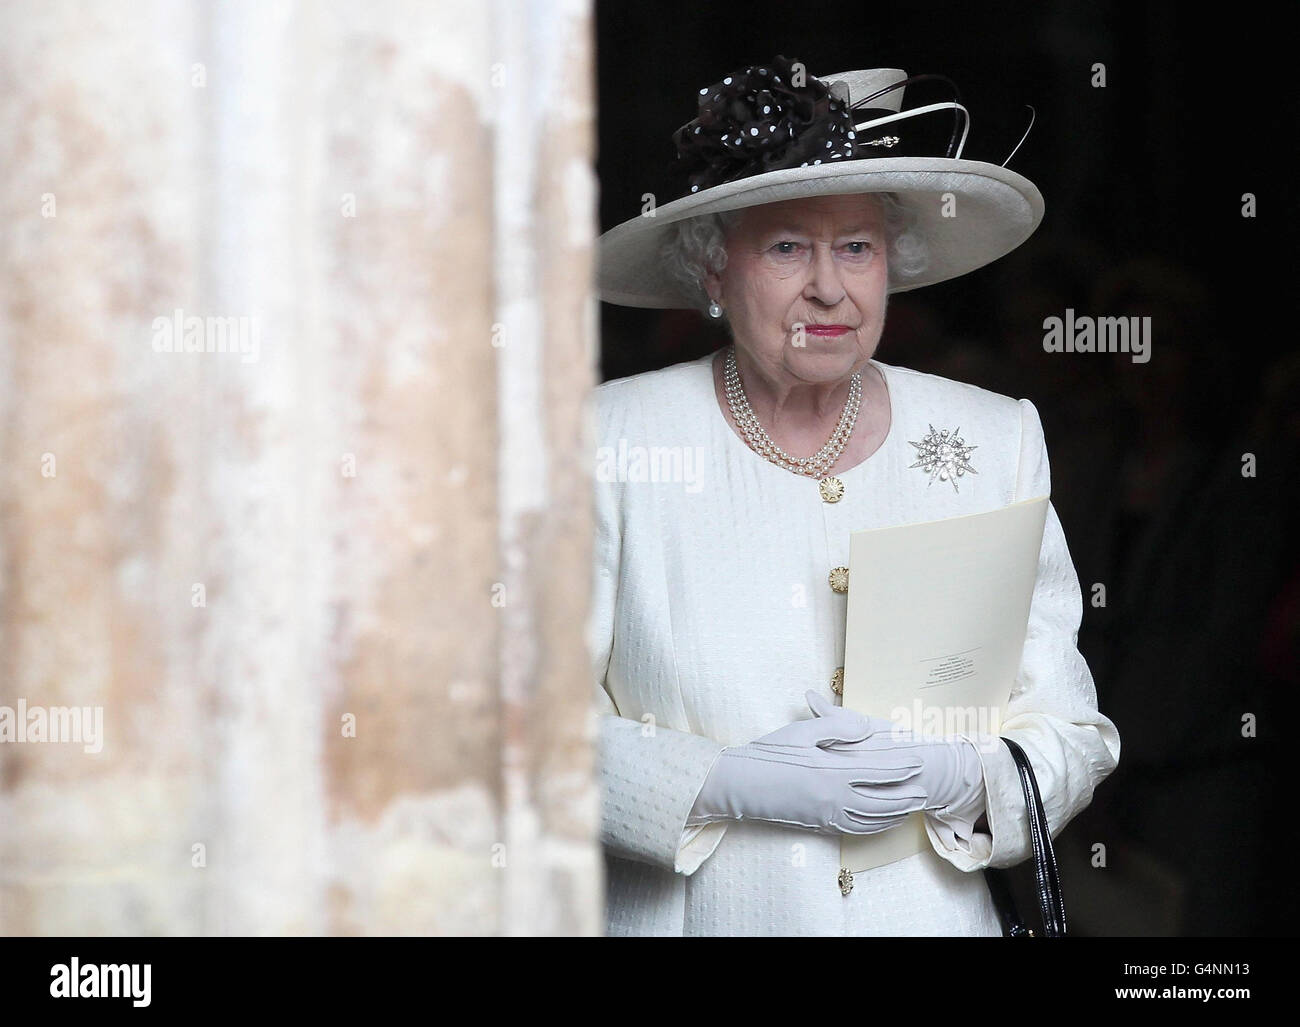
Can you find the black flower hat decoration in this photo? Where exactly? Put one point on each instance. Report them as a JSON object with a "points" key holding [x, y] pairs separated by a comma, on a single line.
{"points": [[758, 119], [767, 117]]}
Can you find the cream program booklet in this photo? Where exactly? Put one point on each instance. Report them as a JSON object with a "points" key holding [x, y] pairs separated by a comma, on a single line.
{"points": [[937, 615]]}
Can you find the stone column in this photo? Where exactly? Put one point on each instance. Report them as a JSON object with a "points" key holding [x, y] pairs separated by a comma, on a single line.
{"points": [[295, 342]]}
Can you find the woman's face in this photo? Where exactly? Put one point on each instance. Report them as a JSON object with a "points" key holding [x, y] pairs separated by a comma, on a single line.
{"points": [[805, 285]]}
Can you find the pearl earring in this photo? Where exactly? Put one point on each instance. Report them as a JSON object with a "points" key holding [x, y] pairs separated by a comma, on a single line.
{"points": [[715, 311]]}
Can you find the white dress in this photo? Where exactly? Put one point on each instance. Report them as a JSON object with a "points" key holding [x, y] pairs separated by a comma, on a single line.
{"points": [[712, 615]]}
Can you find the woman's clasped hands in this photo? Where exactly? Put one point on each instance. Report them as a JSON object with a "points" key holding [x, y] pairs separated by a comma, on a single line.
{"points": [[843, 772]]}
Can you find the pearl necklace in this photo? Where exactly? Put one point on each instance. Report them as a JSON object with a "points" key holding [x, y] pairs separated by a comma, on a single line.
{"points": [[816, 466]]}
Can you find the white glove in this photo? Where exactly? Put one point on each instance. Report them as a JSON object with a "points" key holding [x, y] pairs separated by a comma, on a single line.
{"points": [[844, 772], [951, 777], [805, 775]]}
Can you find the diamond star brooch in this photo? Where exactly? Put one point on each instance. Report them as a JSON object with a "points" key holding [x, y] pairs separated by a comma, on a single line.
{"points": [[944, 455]]}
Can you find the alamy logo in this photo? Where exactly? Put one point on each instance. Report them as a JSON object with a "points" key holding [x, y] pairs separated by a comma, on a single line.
{"points": [[981, 723], [101, 980], [194, 334], [683, 464], [79, 724], [1086, 334]]}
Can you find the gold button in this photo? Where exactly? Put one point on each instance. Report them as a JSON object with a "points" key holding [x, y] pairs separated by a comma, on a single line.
{"points": [[837, 681], [840, 579], [832, 489]]}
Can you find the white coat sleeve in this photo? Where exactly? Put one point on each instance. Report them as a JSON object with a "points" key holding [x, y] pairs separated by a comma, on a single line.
{"points": [[650, 775], [1052, 712]]}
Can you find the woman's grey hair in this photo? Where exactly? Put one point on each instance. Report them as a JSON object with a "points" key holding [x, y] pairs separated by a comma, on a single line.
{"points": [[697, 246]]}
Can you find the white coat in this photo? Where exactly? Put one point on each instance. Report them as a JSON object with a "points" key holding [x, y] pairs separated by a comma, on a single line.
{"points": [[712, 615]]}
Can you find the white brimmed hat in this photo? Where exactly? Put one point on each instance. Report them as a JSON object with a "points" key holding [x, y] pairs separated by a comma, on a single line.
{"points": [[770, 132]]}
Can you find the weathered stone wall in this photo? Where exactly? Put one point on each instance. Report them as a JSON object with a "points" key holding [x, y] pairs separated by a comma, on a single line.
{"points": [[328, 589]]}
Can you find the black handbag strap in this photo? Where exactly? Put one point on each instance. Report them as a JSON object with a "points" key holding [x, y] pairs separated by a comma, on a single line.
{"points": [[1051, 903]]}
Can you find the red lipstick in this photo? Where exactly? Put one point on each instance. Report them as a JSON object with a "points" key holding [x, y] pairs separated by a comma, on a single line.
{"points": [[826, 330]]}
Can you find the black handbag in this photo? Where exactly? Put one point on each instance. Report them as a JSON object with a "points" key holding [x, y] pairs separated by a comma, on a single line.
{"points": [[1051, 905]]}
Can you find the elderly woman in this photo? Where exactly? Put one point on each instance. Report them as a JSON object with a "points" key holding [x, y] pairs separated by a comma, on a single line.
{"points": [[721, 574]]}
